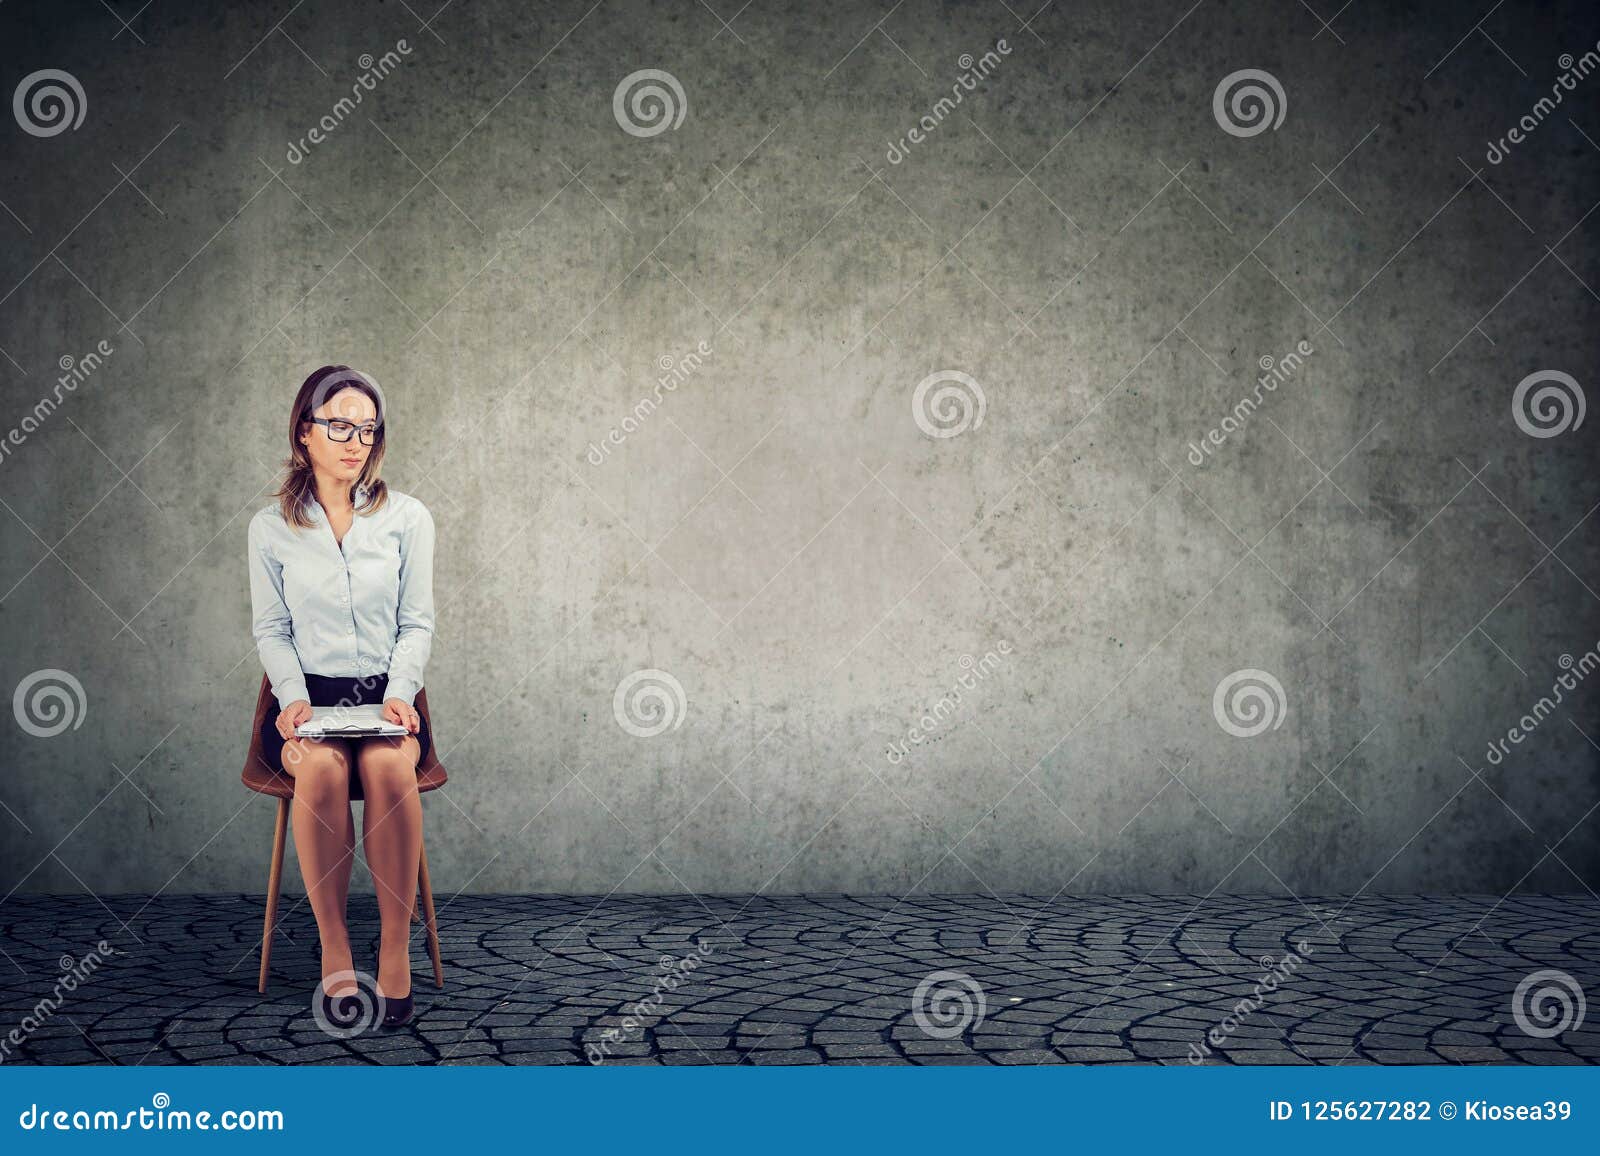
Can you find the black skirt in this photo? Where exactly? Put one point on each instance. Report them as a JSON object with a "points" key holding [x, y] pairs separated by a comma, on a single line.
{"points": [[329, 691]]}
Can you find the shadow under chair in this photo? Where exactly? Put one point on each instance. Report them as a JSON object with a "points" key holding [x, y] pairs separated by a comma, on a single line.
{"points": [[265, 779]]}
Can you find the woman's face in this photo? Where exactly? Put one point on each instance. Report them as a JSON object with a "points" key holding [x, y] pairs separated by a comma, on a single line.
{"points": [[351, 411]]}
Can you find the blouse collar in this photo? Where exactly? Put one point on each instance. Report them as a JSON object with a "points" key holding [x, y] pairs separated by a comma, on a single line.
{"points": [[358, 496]]}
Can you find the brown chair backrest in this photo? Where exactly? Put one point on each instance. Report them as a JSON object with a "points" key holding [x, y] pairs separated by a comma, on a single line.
{"points": [[260, 775]]}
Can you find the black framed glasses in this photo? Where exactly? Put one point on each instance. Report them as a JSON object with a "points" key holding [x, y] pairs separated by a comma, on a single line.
{"points": [[341, 431]]}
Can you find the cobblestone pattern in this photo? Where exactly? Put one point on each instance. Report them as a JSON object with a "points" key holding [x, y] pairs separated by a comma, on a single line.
{"points": [[822, 979]]}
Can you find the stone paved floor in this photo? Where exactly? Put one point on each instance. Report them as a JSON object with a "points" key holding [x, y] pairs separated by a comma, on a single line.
{"points": [[824, 979]]}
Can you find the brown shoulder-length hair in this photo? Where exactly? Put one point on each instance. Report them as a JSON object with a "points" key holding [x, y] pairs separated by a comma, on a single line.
{"points": [[299, 485]]}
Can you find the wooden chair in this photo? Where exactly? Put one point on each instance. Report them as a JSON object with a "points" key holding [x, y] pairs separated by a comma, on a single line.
{"points": [[266, 779]]}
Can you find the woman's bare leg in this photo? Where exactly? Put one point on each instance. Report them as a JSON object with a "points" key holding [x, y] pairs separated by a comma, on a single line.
{"points": [[324, 841], [342, 876], [391, 832]]}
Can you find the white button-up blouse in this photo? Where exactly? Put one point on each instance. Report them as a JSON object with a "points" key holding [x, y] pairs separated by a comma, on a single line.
{"points": [[353, 610]]}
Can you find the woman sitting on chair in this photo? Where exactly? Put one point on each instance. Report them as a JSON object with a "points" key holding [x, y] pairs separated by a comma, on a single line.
{"points": [[341, 589]]}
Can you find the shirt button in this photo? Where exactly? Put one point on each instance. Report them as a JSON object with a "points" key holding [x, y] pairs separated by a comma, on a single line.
{"points": [[350, 630]]}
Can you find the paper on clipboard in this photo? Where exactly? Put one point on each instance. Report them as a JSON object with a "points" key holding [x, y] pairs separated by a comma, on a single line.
{"points": [[348, 721]]}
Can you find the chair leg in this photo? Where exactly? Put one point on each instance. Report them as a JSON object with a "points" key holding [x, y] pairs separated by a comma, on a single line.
{"points": [[427, 907], [274, 880]]}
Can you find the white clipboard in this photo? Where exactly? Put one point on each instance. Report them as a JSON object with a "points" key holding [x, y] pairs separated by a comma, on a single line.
{"points": [[348, 722]]}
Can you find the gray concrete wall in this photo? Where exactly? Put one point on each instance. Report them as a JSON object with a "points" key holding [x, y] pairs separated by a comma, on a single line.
{"points": [[1105, 256]]}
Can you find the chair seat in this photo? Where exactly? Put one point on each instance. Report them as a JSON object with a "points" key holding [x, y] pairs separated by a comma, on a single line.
{"points": [[263, 780]]}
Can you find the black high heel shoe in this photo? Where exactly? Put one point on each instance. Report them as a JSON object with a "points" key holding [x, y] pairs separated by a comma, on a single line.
{"points": [[344, 1014], [397, 1011]]}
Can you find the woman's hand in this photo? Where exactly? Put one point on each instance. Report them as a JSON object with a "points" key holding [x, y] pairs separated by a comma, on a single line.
{"points": [[292, 716], [397, 711]]}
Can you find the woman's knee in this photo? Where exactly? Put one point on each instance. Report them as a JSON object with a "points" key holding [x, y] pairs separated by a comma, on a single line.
{"points": [[321, 771], [380, 754], [387, 769]]}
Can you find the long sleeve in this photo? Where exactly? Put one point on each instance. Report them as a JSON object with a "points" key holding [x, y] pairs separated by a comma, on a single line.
{"points": [[271, 624], [414, 614]]}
